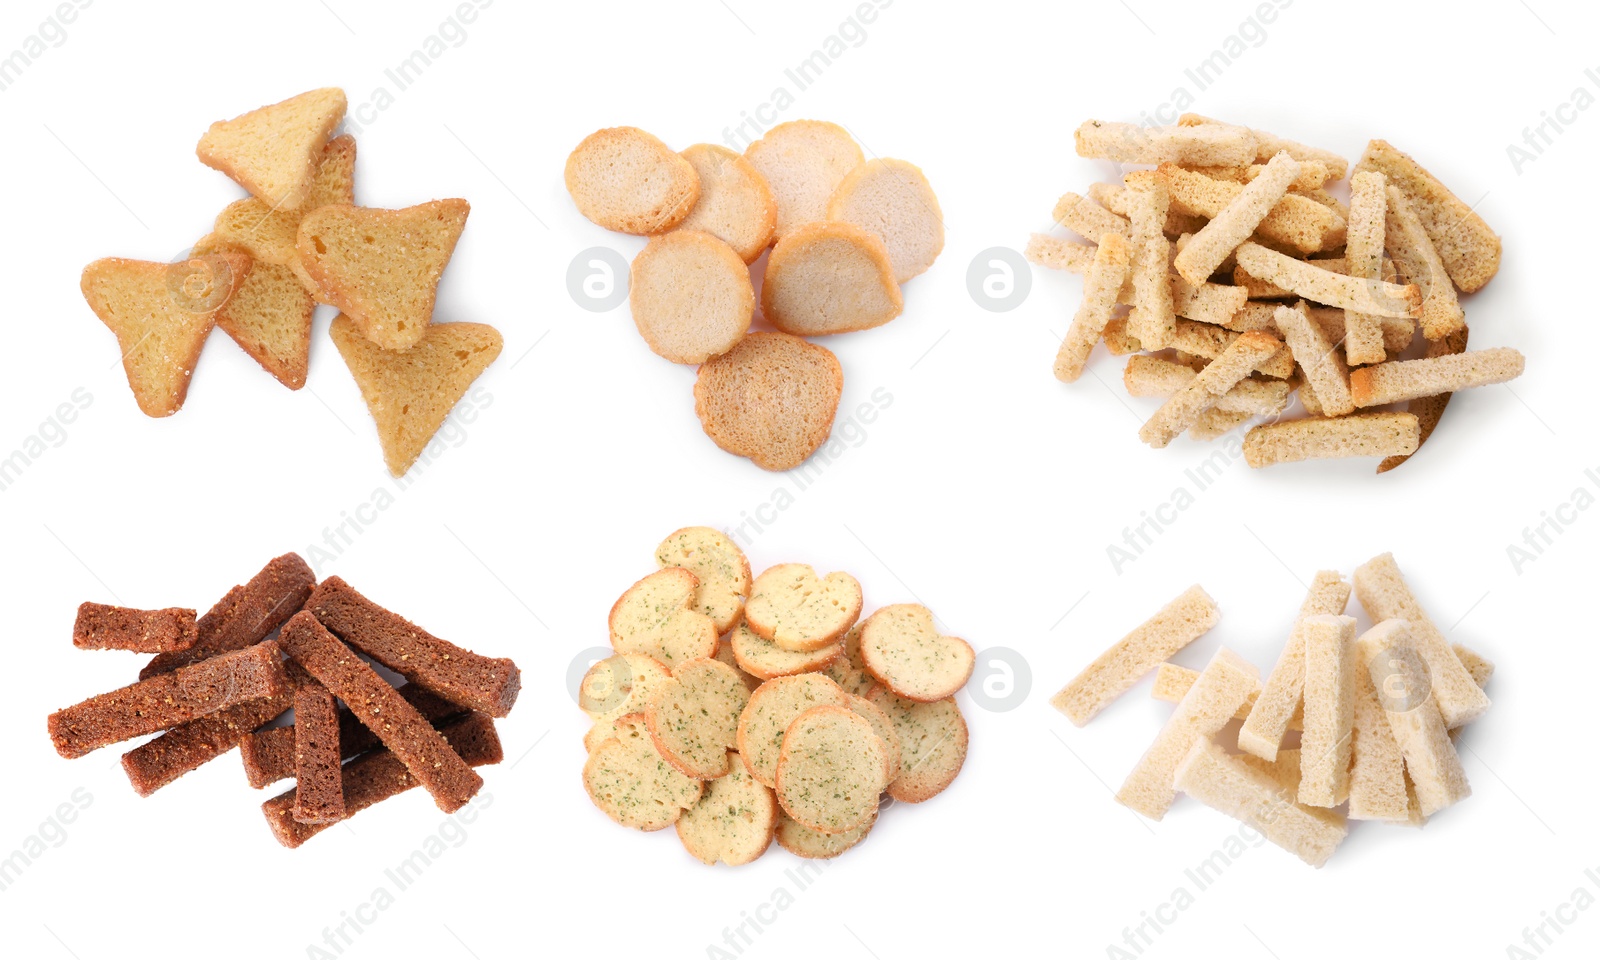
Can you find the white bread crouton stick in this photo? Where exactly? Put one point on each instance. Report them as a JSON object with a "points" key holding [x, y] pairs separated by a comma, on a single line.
{"points": [[1363, 248], [1478, 666], [1321, 438], [1377, 768], [1112, 196], [1402, 678], [1412, 379], [1173, 627], [1100, 285], [1154, 323], [1217, 145], [1297, 222], [1256, 797], [1269, 145], [1088, 219], [1201, 394], [1263, 730], [1415, 257], [1147, 376], [1325, 371], [1429, 410], [1330, 699], [1235, 223], [1173, 681], [1222, 688], [1469, 249], [1333, 289], [1383, 593]]}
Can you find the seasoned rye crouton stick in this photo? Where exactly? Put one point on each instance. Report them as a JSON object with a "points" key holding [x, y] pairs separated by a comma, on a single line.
{"points": [[1215, 145], [1154, 322], [1407, 242], [1173, 627], [1326, 374], [1363, 249], [167, 700], [1428, 410], [1413, 379], [1333, 289], [1235, 223], [245, 616], [381, 708], [1209, 385], [1100, 286], [1358, 435]]}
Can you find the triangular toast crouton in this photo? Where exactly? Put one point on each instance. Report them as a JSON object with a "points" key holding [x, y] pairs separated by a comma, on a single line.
{"points": [[162, 314], [411, 392], [273, 151], [269, 316], [268, 233], [382, 267]]}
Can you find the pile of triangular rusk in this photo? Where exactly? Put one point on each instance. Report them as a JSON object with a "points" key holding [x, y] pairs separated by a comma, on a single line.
{"points": [[298, 241], [1378, 714], [1248, 281], [220, 681]]}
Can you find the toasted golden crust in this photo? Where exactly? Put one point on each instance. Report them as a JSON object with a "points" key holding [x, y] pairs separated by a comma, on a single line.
{"points": [[764, 659], [625, 179], [1446, 373], [161, 314], [772, 399], [382, 267], [892, 200], [410, 392], [273, 151], [904, 651], [799, 611], [735, 203], [802, 841], [829, 277], [269, 316], [804, 162], [690, 295]]}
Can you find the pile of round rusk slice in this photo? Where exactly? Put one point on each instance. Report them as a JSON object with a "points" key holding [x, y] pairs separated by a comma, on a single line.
{"points": [[844, 231], [1238, 279], [298, 241], [744, 708]]}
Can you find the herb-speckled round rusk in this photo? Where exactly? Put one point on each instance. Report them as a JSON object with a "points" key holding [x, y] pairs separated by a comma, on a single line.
{"points": [[615, 687], [694, 717], [831, 770], [802, 841], [722, 568], [847, 670], [655, 617], [933, 744], [903, 649], [765, 659], [884, 727], [733, 822], [799, 611], [771, 709], [632, 784]]}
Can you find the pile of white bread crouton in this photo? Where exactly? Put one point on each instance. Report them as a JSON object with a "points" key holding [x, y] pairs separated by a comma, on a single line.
{"points": [[1247, 281], [1377, 714]]}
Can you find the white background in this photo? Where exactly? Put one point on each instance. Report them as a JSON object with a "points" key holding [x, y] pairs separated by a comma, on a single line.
{"points": [[986, 489]]}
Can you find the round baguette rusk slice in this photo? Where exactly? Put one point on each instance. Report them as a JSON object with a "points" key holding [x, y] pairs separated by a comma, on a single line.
{"points": [[812, 844], [933, 744], [691, 296], [733, 822], [884, 728], [694, 717], [771, 709], [803, 162], [829, 277], [655, 617], [772, 398], [735, 204], [625, 179], [795, 609], [630, 781], [718, 563], [830, 771], [615, 687], [762, 658], [893, 201], [847, 670], [902, 648]]}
